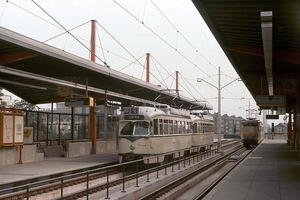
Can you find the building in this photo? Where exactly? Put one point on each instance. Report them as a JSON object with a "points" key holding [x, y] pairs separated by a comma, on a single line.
{"points": [[231, 126], [7, 100]]}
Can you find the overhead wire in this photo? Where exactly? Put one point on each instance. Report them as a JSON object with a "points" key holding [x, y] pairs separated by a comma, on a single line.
{"points": [[157, 35], [68, 31], [101, 45], [3, 10], [108, 52], [178, 32], [65, 31]]}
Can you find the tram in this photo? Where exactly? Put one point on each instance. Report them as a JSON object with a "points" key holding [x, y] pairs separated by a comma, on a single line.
{"points": [[252, 133], [162, 133]]}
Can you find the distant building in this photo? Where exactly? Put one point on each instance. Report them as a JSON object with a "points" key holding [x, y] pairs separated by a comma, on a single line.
{"points": [[7, 100], [231, 126], [280, 128]]}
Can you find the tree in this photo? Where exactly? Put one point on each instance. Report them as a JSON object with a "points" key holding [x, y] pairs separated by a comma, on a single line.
{"points": [[3, 103], [24, 105]]}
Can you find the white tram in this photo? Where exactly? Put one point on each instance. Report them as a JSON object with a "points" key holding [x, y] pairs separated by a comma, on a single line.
{"points": [[151, 131]]}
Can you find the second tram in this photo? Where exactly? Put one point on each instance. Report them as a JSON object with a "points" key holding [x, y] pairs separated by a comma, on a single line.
{"points": [[253, 132]]}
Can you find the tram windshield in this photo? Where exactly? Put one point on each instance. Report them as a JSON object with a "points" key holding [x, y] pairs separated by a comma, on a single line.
{"points": [[137, 128], [250, 128]]}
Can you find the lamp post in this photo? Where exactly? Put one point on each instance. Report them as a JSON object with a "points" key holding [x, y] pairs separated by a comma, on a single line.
{"points": [[219, 88]]}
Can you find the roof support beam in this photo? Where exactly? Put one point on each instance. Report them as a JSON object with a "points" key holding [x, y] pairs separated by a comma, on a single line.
{"points": [[18, 56], [267, 36], [286, 56]]}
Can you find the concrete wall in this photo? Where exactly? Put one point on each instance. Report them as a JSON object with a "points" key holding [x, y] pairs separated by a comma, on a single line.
{"points": [[76, 149], [106, 146], [10, 155]]}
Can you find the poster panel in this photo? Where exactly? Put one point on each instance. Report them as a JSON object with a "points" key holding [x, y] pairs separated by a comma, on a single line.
{"points": [[18, 130], [6, 129], [28, 135]]}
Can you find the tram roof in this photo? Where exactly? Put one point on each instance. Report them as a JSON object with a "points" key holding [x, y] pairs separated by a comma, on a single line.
{"points": [[39, 73], [237, 26]]}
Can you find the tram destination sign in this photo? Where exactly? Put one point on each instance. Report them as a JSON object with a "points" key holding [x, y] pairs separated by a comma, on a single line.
{"points": [[79, 101], [266, 100], [134, 117]]}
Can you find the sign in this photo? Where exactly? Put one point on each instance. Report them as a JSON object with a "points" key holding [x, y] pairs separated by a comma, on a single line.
{"points": [[289, 85], [18, 130], [281, 111], [63, 91], [6, 129], [28, 135], [272, 116], [266, 100], [134, 117], [79, 101]]}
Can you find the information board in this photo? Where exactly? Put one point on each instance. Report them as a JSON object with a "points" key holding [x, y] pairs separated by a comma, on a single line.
{"points": [[18, 130], [6, 129], [28, 135], [79, 101], [266, 100]]}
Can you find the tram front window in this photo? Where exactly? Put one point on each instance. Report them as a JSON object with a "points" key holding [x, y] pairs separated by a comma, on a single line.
{"points": [[141, 128], [249, 128], [135, 128]]}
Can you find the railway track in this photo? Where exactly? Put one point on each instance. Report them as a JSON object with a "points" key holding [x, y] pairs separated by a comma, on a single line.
{"points": [[98, 182], [192, 186]]}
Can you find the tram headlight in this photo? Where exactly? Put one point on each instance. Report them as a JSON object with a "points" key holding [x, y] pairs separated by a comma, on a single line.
{"points": [[132, 147]]}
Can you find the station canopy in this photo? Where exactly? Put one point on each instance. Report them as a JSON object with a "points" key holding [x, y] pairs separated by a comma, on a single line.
{"points": [[262, 41], [39, 73]]}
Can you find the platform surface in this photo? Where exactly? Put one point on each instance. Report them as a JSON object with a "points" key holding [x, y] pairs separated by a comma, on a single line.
{"points": [[52, 165], [270, 172]]}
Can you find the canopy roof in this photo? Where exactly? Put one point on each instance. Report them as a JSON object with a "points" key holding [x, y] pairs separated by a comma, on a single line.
{"points": [[39, 73]]}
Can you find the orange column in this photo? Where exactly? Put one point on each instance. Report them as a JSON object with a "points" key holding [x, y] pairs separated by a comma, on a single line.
{"points": [[20, 156], [148, 67], [93, 130], [177, 89]]}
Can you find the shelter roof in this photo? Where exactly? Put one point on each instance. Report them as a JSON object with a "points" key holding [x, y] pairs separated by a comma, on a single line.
{"points": [[39, 73], [263, 49]]}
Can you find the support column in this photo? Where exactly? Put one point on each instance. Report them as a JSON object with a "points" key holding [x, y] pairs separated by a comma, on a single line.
{"points": [[294, 129], [289, 130], [92, 129], [148, 67]]}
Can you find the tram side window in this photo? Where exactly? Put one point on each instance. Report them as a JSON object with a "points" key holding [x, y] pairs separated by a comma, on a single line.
{"points": [[180, 127], [200, 128], [155, 122], [189, 127], [161, 127], [175, 127], [165, 127], [195, 128], [170, 127]]}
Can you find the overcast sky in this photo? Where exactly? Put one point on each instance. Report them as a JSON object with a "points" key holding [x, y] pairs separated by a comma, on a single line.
{"points": [[172, 31]]}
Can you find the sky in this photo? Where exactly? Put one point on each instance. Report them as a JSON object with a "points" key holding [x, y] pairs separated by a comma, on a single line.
{"points": [[172, 31]]}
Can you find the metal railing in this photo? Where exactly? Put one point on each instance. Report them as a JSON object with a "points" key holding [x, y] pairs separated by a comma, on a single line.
{"points": [[60, 182]]}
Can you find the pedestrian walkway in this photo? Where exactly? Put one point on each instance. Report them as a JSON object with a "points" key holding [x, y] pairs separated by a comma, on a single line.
{"points": [[52, 165], [270, 172]]}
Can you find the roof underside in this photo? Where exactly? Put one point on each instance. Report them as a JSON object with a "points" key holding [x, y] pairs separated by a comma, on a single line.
{"points": [[237, 26], [39, 73]]}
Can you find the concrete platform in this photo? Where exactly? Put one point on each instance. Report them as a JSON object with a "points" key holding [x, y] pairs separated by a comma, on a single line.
{"points": [[271, 172], [52, 165]]}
